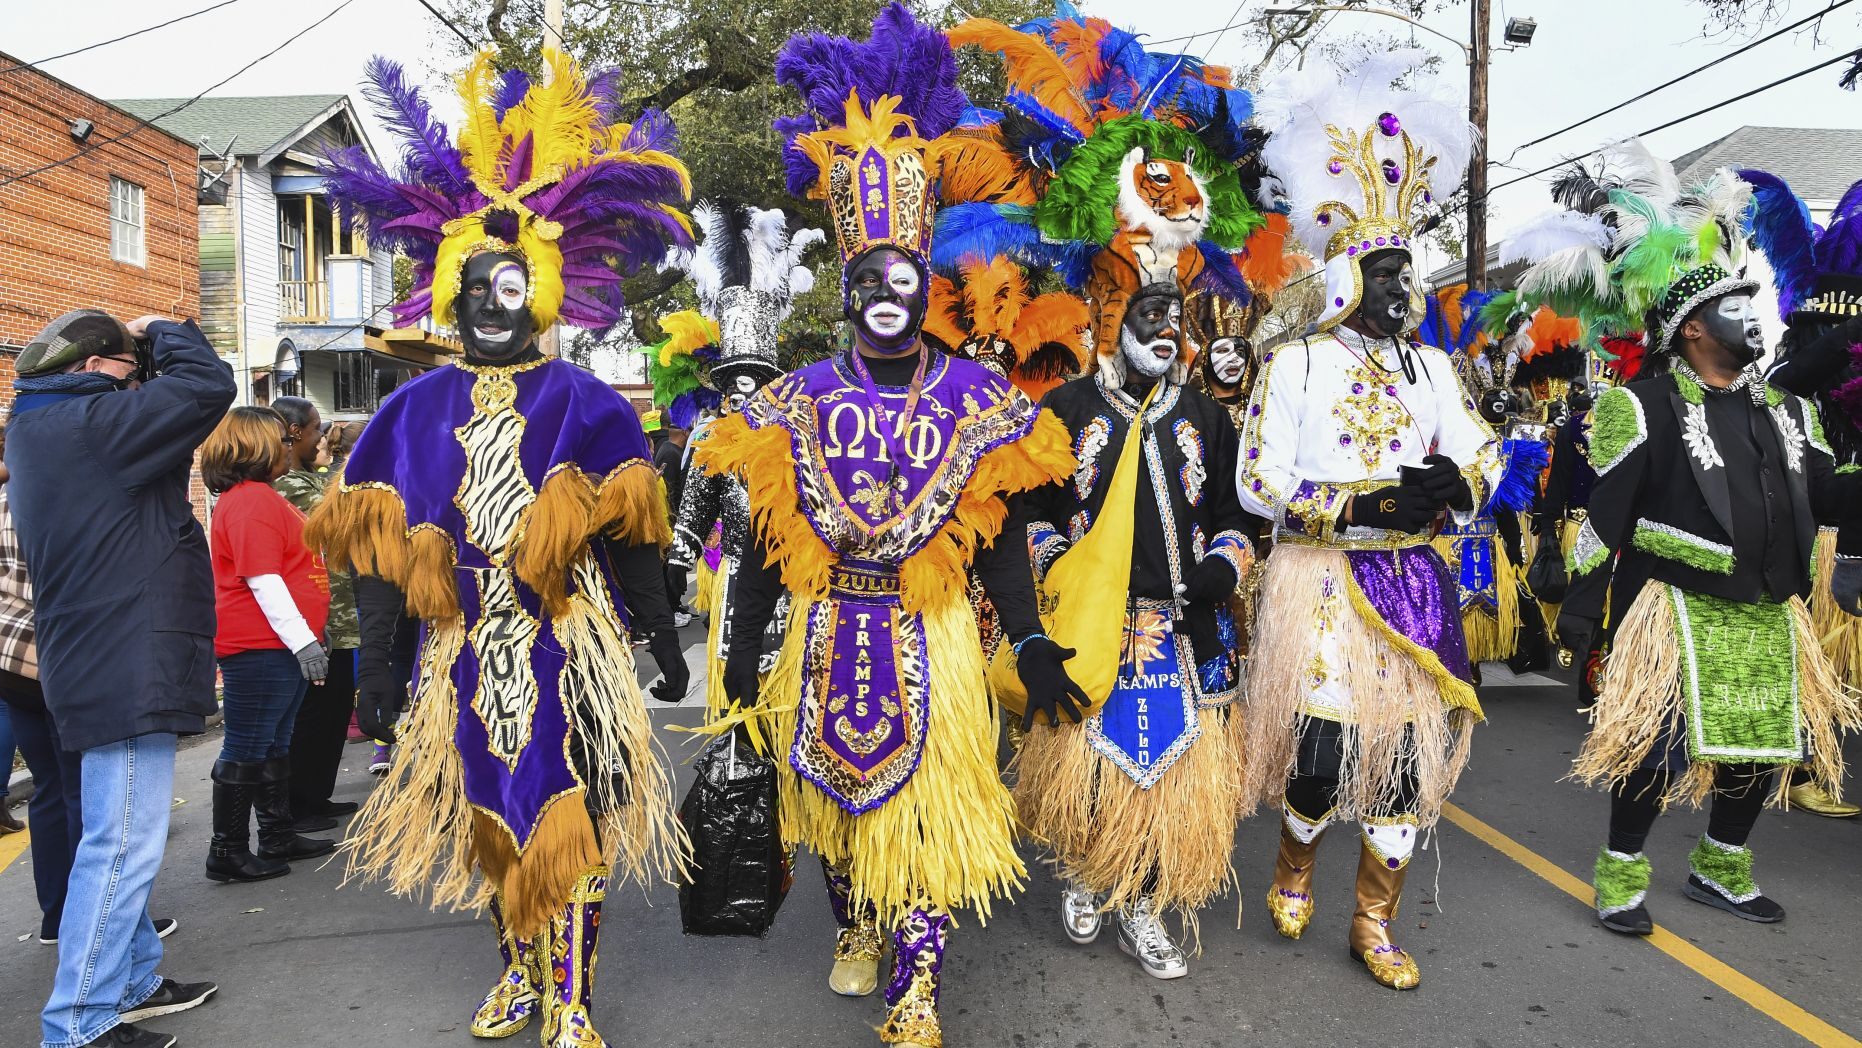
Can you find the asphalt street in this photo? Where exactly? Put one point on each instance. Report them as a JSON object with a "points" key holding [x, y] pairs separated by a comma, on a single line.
{"points": [[1507, 957]]}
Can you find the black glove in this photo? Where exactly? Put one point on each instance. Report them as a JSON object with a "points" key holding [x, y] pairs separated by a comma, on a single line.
{"points": [[1042, 666], [743, 684], [665, 648], [1199, 626], [1442, 481], [1846, 585], [1398, 507], [1574, 634], [1212, 580], [379, 701]]}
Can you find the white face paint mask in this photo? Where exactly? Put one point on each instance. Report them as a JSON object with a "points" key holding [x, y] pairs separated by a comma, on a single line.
{"points": [[745, 388], [889, 319], [1225, 361]]}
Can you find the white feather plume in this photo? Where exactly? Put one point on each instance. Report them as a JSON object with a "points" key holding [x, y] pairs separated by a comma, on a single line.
{"points": [[703, 266], [1628, 164], [1297, 108], [1552, 232], [1581, 269]]}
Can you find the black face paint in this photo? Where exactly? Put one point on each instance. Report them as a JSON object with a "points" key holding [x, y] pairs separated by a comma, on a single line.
{"points": [[493, 306], [885, 299], [1733, 322], [1151, 337], [1385, 302], [1497, 404]]}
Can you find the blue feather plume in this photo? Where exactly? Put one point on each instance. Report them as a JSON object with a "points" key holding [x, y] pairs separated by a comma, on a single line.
{"points": [[1781, 224], [1525, 461], [977, 232]]}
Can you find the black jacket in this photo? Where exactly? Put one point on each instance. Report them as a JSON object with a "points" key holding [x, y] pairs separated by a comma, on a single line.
{"points": [[1664, 504], [122, 585]]}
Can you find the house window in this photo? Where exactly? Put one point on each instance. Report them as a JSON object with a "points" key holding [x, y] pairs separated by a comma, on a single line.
{"points": [[126, 223], [355, 383]]}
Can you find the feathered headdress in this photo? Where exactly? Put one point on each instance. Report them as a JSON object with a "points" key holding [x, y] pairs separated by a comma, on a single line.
{"points": [[542, 171], [747, 269], [1121, 142], [873, 110], [1818, 269], [1362, 160], [679, 367], [1629, 247], [988, 315], [1451, 320]]}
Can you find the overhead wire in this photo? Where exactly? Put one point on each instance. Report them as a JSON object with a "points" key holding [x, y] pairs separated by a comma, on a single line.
{"points": [[118, 39], [90, 147], [458, 32]]}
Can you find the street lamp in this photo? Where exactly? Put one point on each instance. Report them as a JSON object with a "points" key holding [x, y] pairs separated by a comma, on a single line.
{"points": [[1519, 31]]}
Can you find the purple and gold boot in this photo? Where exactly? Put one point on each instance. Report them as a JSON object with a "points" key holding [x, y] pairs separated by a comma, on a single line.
{"points": [[857, 944], [911, 996], [574, 932], [510, 1004]]}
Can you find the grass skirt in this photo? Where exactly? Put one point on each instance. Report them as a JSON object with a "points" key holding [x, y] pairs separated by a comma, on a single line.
{"points": [[1492, 632], [946, 839], [1109, 835], [418, 832], [711, 600], [1642, 698], [1838, 632], [1406, 718]]}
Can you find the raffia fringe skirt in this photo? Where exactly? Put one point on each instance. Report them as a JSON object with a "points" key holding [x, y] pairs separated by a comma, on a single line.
{"points": [[1106, 833], [1406, 719], [1641, 699]]}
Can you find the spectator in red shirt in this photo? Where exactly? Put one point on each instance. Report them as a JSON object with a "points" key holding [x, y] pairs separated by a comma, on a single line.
{"points": [[272, 597]]}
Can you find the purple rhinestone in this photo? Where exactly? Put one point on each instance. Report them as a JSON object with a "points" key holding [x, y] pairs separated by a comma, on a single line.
{"points": [[1335, 167], [1405, 832], [1325, 218], [1257, 485], [1392, 173], [1339, 302], [1267, 357], [1396, 445], [1396, 241], [1428, 197], [1254, 409], [1380, 241], [1254, 453], [1357, 387], [1388, 124], [1393, 865], [1351, 250], [1344, 439], [1391, 390]]}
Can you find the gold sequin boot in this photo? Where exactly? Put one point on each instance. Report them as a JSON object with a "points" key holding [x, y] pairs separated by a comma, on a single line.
{"points": [[912, 995], [514, 999], [857, 945], [574, 932], [1383, 861], [1289, 898]]}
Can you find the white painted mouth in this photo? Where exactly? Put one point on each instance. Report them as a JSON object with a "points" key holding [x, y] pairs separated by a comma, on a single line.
{"points": [[492, 335], [887, 320]]}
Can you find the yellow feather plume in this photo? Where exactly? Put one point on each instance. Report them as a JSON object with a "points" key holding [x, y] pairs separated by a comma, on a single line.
{"points": [[559, 116], [691, 331], [481, 140], [879, 128]]}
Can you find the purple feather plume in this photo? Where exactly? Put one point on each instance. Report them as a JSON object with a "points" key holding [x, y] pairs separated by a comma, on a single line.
{"points": [[427, 149], [1222, 275], [605, 88], [1839, 250], [513, 85], [1781, 225]]}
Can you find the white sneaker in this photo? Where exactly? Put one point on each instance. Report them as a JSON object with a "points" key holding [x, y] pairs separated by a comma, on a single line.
{"points": [[681, 620], [1142, 935], [1079, 915]]}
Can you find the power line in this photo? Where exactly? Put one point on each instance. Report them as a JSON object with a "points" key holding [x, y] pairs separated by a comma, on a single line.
{"points": [[89, 147], [460, 33], [1845, 56], [119, 39], [1800, 23]]}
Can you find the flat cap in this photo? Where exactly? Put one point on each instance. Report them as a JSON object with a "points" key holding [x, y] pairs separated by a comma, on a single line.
{"points": [[77, 335]]}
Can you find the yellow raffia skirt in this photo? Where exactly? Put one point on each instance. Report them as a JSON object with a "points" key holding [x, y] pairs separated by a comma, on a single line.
{"points": [[1492, 634], [1642, 696], [946, 838], [710, 600], [1409, 717], [1838, 633], [1109, 835], [418, 832], [705, 581]]}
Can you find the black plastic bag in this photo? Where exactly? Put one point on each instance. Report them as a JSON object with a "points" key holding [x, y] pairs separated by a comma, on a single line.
{"points": [[1546, 576], [740, 870]]}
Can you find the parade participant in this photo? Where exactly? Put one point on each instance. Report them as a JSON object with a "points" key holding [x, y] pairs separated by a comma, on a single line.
{"points": [[1138, 803], [1818, 270], [747, 269], [1360, 706], [1696, 551], [511, 501], [1224, 329], [875, 478]]}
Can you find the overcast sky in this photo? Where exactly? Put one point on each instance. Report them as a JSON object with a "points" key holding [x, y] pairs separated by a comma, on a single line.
{"points": [[1588, 55]]}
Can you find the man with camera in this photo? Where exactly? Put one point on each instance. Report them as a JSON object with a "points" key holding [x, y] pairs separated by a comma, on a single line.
{"points": [[100, 444]]}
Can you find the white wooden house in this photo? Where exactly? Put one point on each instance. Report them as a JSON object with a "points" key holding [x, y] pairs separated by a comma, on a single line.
{"points": [[297, 304]]}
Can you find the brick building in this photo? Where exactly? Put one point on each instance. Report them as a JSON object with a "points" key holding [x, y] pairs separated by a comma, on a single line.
{"points": [[115, 229]]}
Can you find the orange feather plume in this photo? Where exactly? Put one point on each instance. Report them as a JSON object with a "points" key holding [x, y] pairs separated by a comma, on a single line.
{"points": [[1266, 264], [944, 318], [1078, 43], [1033, 68], [973, 166], [996, 293], [1549, 331]]}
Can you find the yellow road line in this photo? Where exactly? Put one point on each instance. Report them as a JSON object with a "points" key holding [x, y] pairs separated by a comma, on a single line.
{"points": [[1704, 964], [12, 846]]}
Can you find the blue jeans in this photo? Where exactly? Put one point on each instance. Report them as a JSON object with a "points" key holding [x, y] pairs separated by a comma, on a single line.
{"points": [[107, 947], [262, 690]]}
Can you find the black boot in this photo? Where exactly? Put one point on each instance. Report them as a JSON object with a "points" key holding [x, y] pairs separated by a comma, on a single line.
{"points": [[229, 857], [277, 841]]}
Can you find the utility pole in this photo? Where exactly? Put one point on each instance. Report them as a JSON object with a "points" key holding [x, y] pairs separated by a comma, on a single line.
{"points": [[551, 343], [1478, 54]]}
